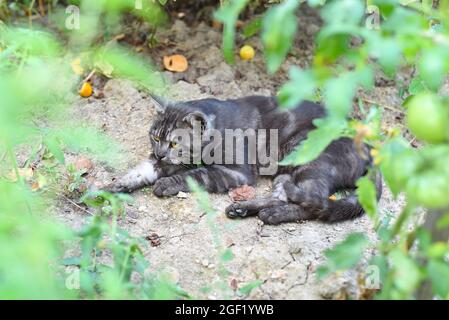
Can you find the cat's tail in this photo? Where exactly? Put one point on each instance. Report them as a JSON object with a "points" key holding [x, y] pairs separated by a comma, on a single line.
{"points": [[349, 207]]}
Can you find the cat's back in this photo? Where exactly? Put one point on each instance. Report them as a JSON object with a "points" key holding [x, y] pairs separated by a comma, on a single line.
{"points": [[235, 113]]}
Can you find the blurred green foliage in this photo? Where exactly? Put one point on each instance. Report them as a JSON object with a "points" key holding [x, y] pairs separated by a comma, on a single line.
{"points": [[391, 35], [38, 84]]}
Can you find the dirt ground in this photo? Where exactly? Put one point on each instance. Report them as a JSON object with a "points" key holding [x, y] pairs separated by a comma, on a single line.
{"points": [[284, 257]]}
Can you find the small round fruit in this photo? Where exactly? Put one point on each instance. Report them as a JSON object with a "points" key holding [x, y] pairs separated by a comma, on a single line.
{"points": [[427, 118], [247, 52], [86, 90]]}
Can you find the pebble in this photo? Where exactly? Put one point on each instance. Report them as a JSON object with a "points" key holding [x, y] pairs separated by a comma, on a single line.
{"points": [[142, 208], [182, 195], [205, 263]]}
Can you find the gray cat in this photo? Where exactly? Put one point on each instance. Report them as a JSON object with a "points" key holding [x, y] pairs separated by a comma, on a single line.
{"points": [[299, 192]]}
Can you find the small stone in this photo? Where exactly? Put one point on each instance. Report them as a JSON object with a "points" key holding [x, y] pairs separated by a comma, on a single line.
{"points": [[132, 214], [211, 266], [83, 164], [182, 195], [142, 208], [205, 263], [278, 274], [291, 229], [311, 29]]}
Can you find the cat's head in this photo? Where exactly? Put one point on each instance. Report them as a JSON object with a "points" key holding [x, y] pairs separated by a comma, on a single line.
{"points": [[174, 129]]}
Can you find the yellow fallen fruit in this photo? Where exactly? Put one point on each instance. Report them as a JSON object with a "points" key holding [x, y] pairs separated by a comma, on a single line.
{"points": [[247, 52], [86, 90], [176, 63]]}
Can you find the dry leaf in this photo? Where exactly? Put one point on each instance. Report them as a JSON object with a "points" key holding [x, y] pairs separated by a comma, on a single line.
{"points": [[119, 37], [25, 173], [234, 285], [35, 186], [105, 68], [40, 183], [76, 67], [242, 193], [216, 24], [176, 63]]}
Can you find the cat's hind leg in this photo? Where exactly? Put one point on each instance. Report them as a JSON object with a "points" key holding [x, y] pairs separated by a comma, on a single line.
{"points": [[306, 194], [289, 212], [249, 208]]}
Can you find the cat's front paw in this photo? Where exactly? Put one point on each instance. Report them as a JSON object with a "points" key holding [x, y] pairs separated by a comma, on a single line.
{"points": [[165, 187], [117, 187]]}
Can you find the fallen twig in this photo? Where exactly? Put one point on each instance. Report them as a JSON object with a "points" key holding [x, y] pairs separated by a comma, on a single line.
{"points": [[73, 203], [383, 105]]}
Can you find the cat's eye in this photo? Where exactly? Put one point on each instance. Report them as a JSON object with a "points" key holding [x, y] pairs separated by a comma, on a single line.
{"points": [[156, 138], [174, 144]]}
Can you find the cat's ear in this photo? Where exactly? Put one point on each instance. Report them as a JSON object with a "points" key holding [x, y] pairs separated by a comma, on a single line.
{"points": [[160, 103], [198, 117]]}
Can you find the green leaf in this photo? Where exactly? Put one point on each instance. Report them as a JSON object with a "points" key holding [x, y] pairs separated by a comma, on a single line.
{"points": [[227, 255], [443, 222], [246, 289], [438, 272], [338, 94], [316, 3], [228, 14], [343, 12], [33, 42], [344, 255], [416, 86], [54, 147], [407, 275], [83, 139], [398, 163], [252, 28], [279, 29], [328, 129], [302, 86], [366, 192], [201, 196], [123, 63], [386, 51]]}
